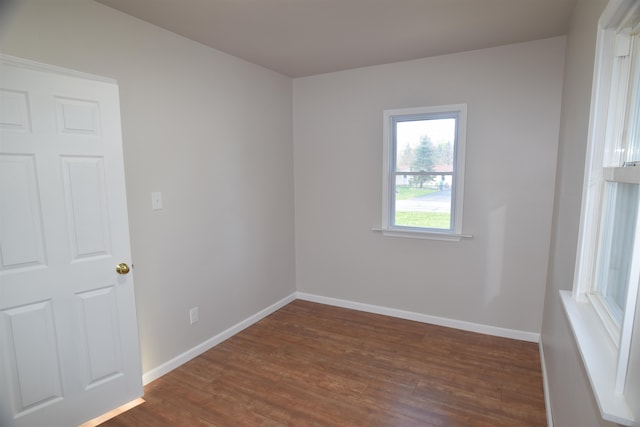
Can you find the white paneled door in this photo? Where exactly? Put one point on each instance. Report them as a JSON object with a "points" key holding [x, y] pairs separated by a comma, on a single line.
{"points": [[69, 348]]}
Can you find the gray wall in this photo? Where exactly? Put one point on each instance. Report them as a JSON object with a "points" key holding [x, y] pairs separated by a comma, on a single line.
{"points": [[572, 400], [498, 277], [213, 134]]}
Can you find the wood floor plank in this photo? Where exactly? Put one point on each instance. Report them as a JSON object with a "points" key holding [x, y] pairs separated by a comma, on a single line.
{"points": [[310, 364]]}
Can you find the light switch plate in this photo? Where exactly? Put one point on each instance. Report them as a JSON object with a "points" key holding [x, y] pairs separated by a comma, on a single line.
{"points": [[156, 200]]}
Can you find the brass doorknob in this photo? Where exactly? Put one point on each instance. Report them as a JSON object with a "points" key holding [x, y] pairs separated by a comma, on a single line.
{"points": [[122, 268]]}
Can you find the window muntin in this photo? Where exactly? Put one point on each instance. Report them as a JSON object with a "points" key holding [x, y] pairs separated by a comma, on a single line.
{"points": [[424, 168]]}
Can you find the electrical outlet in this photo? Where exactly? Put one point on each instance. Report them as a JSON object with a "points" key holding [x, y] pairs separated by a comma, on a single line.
{"points": [[193, 315]]}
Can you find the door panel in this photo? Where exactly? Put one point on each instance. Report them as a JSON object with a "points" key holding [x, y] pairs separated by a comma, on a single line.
{"points": [[99, 321], [78, 117], [33, 350], [86, 206], [14, 111], [69, 348], [21, 225]]}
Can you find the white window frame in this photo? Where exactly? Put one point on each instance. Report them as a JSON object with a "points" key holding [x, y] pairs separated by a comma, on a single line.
{"points": [[603, 343], [388, 175]]}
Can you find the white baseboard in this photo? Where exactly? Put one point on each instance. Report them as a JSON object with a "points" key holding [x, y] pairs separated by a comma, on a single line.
{"points": [[424, 318], [545, 385], [166, 367]]}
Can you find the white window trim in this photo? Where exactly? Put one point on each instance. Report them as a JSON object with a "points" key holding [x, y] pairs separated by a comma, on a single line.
{"points": [[455, 234], [605, 360], [599, 356]]}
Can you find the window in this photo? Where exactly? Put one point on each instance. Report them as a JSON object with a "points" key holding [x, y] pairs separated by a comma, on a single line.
{"points": [[601, 308], [424, 172]]}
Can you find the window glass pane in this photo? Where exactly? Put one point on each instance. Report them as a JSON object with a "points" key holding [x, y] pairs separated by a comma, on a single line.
{"points": [[616, 245], [424, 172], [631, 153], [426, 207], [425, 145]]}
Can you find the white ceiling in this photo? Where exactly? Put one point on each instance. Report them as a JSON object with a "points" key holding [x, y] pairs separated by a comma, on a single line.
{"points": [[306, 37]]}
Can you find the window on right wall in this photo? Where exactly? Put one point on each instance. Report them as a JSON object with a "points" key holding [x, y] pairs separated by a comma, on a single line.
{"points": [[601, 308]]}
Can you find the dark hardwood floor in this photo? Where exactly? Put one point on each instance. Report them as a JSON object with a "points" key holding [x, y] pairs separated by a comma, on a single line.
{"points": [[315, 365]]}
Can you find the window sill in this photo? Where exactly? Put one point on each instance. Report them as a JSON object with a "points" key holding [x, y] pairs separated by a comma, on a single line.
{"points": [[599, 356], [428, 235]]}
